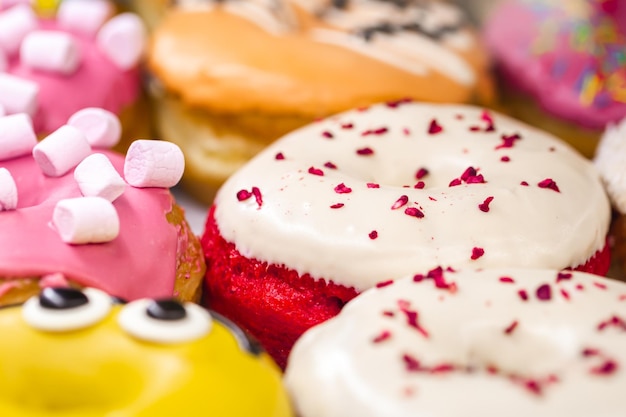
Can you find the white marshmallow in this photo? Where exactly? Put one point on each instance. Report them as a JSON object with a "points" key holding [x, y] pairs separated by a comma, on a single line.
{"points": [[61, 151], [153, 163], [17, 137], [83, 16], [101, 127], [18, 95], [15, 24], [123, 39], [8, 191], [50, 51], [86, 220], [96, 176]]}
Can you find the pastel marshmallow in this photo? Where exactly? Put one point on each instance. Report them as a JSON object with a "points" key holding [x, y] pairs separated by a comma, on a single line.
{"points": [[97, 177], [101, 127], [50, 51], [123, 40], [153, 163], [17, 136], [18, 95], [86, 220], [83, 16], [15, 24], [8, 191], [61, 151]]}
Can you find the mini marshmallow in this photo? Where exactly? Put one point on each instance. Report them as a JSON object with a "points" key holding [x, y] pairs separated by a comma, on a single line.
{"points": [[101, 127], [50, 51], [17, 137], [18, 95], [96, 176], [86, 220], [8, 191], [61, 151], [123, 39], [83, 16], [15, 24], [152, 163]]}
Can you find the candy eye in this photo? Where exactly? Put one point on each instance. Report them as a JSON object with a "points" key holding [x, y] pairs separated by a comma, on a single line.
{"points": [[66, 309], [164, 321]]}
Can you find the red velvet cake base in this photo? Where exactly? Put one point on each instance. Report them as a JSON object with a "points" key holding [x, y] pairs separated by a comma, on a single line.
{"points": [[275, 304]]}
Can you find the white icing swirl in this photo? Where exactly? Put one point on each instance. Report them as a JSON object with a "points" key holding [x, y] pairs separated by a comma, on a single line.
{"points": [[526, 226], [411, 349]]}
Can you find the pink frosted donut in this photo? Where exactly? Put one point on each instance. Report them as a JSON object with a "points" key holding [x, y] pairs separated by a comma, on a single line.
{"points": [[502, 342]]}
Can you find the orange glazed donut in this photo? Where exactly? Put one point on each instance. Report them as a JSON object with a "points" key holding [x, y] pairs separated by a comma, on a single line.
{"points": [[233, 76], [374, 194]]}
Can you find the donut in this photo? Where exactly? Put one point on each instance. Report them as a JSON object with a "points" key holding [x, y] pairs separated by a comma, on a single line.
{"points": [[141, 247], [54, 64], [515, 342], [561, 64], [376, 193], [286, 64], [75, 352]]}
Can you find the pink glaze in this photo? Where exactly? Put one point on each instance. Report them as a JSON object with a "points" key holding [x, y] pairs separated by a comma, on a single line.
{"points": [[96, 83], [140, 262], [570, 56]]}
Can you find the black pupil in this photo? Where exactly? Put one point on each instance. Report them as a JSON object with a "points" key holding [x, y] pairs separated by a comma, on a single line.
{"points": [[166, 310], [62, 298]]}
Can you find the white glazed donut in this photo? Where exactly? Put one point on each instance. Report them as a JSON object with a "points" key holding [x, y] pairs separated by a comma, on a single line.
{"points": [[508, 342], [377, 193]]}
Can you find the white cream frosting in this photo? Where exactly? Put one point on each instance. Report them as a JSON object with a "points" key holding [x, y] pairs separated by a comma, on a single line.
{"points": [[610, 160], [563, 356], [526, 226]]}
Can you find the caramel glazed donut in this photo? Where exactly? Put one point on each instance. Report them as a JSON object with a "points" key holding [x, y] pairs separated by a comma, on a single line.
{"points": [[374, 194], [285, 64], [75, 353], [503, 342]]}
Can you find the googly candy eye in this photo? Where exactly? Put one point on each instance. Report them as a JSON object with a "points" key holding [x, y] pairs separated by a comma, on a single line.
{"points": [[164, 321], [66, 309]]}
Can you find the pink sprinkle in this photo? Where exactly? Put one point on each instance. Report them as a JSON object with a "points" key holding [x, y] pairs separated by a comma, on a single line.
{"points": [[412, 320], [280, 156], [378, 131], [505, 159], [455, 182], [549, 183], [474, 128], [477, 253], [406, 131], [388, 313], [410, 363], [511, 327], [606, 368], [347, 126], [565, 294], [563, 276], [622, 297], [420, 185], [384, 335], [507, 280], [384, 283], [372, 185], [484, 206], [486, 116], [524, 183], [342, 189], [421, 173], [614, 321], [396, 103], [599, 285], [336, 206], [523, 295], [316, 171], [402, 201], [590, 352], [243, 195], [459, 116], [434, 127], [414, 212], [373, 234], [418, 277], [544, 292], [365, 151], [508, 141], [330, 165], [328, 135], [580, 287], [432, 198], [257, 196], [469, 172]]}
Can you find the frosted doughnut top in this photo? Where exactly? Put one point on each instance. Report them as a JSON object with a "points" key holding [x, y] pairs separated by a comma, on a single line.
{"points": [[378, 193], [507, 342]]}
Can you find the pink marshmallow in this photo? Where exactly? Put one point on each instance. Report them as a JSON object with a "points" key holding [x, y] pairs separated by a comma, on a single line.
{"points": [[83, 16], [4, 64], [123, 39], [101, 127], [61, 151], [153, 163], [15, 24], [50, 51], [17, 137], [8, 191], [86, 220], [18, 95], [96, 176]]}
